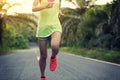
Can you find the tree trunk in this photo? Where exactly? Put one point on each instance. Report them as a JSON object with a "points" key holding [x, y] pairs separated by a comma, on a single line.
{"points": [[115, 16]]}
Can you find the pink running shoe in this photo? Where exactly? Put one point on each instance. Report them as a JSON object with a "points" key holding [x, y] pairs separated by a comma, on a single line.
{"points": [[53, 63], [43, 78]]}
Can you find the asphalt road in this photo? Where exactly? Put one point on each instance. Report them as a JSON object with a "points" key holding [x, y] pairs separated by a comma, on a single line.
{"points": [[23, 65]]}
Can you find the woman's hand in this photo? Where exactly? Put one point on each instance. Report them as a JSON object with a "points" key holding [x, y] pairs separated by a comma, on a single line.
{"points": [[37, 5], [61, 15]]}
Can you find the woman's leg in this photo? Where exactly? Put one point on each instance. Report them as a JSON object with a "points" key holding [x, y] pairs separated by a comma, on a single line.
{"points": [[43, 55], [55, 42]]}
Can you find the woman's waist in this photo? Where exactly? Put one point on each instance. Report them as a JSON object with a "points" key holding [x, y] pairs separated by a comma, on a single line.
{"points": [[48, 24]]}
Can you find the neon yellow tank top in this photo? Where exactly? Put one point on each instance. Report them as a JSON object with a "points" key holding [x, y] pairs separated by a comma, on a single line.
{"points": [[48, 20]]}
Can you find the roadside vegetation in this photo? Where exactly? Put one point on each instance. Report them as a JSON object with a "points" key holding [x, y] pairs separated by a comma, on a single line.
{"points": [[92, 30], [16, 29], [96, 53]]}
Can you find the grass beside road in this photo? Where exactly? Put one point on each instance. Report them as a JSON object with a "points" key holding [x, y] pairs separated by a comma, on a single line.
{"points": [[6, 51], [100, 54]]}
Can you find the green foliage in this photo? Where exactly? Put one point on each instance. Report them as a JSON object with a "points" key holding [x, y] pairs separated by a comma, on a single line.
{"points": [[12, 39], [72, 19], [106, 41], [82, 30], [20, 42], [97, 26], [15, 30], [96, 29], [4, 50], [94, 17]]}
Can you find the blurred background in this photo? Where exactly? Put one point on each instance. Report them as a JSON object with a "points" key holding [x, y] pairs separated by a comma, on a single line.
{"points": [[91, 28]]}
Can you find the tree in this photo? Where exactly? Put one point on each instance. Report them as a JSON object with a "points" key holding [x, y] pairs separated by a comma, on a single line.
{"points": [[16, 20], [72, 19], [112, 27], [91, 26]]}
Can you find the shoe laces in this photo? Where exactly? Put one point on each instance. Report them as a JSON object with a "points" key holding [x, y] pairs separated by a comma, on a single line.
{"points": [[53, 61]]}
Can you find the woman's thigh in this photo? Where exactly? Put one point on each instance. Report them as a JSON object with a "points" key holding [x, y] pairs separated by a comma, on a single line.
{"points": [[55, 39]]}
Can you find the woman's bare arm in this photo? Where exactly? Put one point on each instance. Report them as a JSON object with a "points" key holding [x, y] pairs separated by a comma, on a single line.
{"points": [[37, 6], [61, 15]]}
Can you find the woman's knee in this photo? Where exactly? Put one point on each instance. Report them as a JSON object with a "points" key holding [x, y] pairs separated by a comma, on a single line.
{"points": [[43, 57], [54, 46]]}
